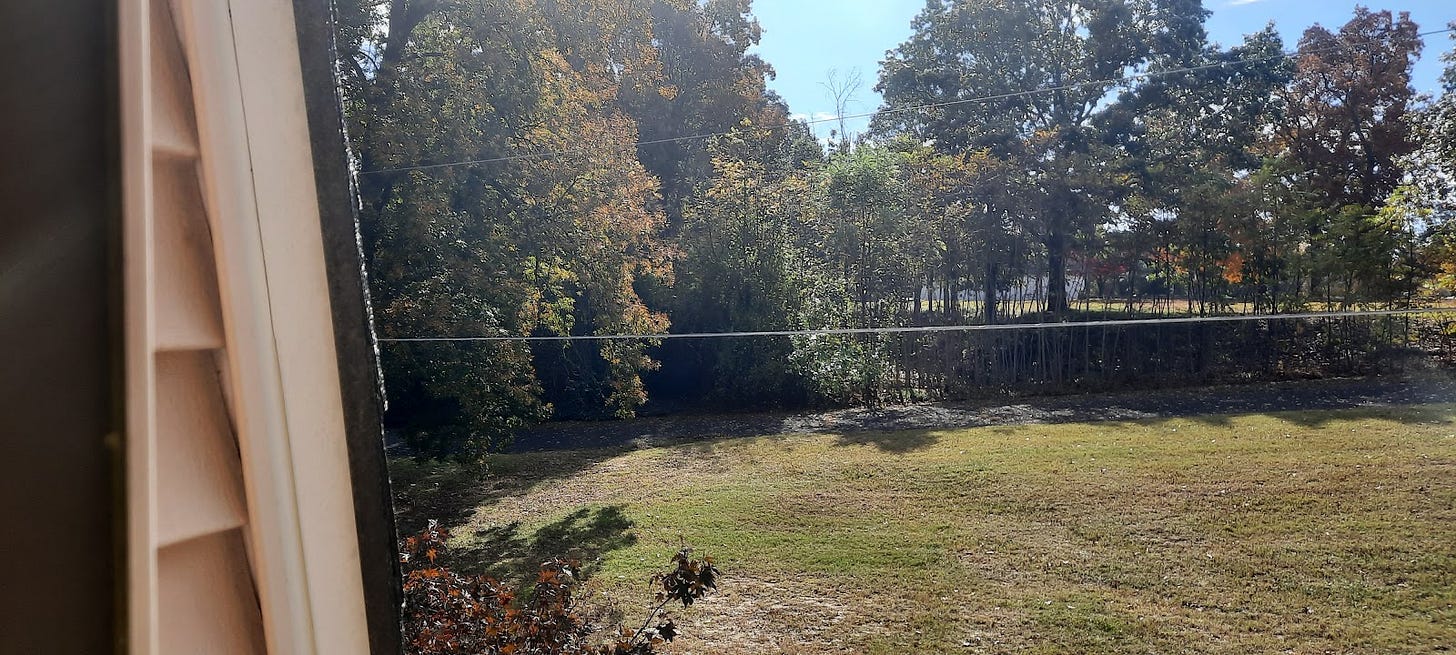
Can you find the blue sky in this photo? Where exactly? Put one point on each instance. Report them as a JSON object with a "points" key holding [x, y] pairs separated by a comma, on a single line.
{"points": [[805, 39]]}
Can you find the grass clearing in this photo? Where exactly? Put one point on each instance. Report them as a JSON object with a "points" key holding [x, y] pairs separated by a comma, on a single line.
{"points": [[1296, 532]]}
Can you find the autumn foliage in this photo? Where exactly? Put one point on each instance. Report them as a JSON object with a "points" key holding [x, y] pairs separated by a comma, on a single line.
{"points": [[451, 613]]}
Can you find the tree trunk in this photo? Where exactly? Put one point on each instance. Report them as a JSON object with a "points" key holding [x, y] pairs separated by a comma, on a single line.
{"points": [[404, 15], [992, 282], [1056, 289], [918, 294]]}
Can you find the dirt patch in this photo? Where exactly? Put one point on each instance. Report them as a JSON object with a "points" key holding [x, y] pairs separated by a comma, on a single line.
{"points": [[769, 614]]}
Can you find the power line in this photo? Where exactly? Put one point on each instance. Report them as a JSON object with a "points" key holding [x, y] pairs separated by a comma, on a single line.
{"points": [[927, 328], [895, 110]]}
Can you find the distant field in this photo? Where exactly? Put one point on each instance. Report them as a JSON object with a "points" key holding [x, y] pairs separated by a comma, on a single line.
{"points": [[1317, 532]]}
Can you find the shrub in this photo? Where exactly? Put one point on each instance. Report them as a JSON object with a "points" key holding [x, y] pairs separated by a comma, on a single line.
{"points": [[449, 613]]}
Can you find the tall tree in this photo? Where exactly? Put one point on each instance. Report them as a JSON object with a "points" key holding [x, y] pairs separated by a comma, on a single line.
{"points": [[1348, 105], [1070, 53], [1346, 132]]}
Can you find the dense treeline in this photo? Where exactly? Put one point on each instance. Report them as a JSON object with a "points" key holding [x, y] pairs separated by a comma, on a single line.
{"points": [[1249, 182]]}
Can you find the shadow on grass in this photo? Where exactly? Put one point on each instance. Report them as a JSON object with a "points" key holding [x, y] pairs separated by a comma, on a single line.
{"points": [[452, 492], [885, 426], [584, 535], [1409, 415], [897, 443]]}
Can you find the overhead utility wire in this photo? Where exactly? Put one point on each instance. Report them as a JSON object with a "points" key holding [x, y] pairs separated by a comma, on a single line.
{"points": [[894, 110], [930, 328]]}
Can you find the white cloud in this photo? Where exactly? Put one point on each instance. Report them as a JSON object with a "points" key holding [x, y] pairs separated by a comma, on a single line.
{"points": [[1240, 3]]}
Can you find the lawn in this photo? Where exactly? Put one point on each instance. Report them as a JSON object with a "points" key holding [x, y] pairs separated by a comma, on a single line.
{"points": [[1319, 532]]}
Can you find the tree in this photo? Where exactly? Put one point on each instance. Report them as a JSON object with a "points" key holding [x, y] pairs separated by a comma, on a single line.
{"points": [[1074, 51], [437, 243], [842, 91], [1346, 131], [1429, 193], [516, 245], [743, 263], [706, 82], [1348, 104], [1188, 141], [1431, 167], [863, 231], [958, 219], [869, 245]]}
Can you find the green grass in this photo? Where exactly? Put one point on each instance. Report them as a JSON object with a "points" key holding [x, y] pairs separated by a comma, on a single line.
{"points": [[1300, 532]]}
